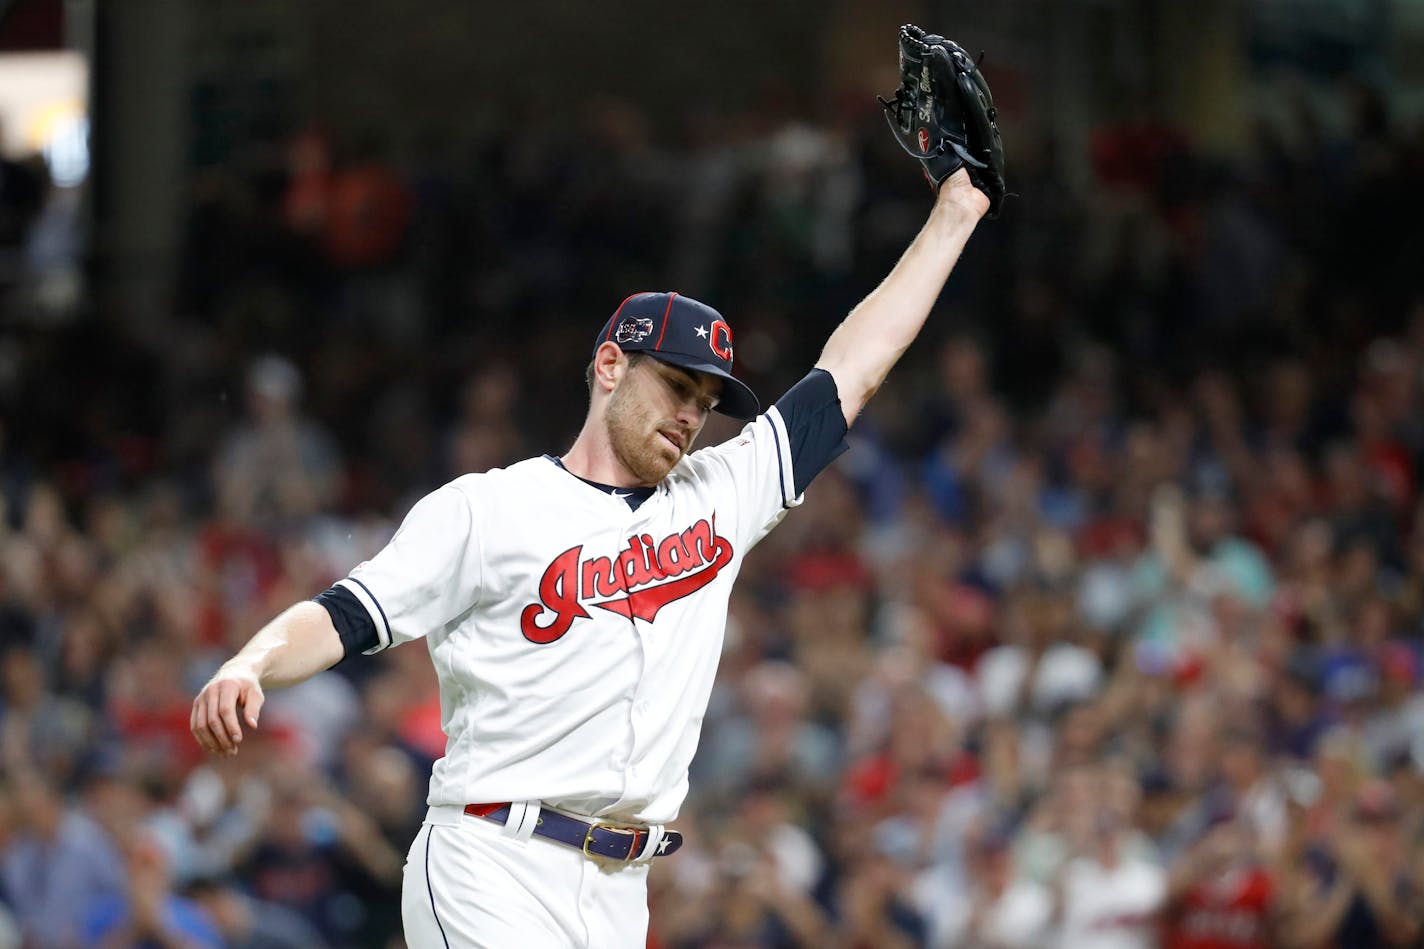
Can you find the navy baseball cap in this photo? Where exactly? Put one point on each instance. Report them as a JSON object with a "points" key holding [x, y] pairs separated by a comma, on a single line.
{"points": [[682, 332]]}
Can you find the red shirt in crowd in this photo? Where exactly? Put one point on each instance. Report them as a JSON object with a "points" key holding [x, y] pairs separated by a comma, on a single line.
{"points": [[1227, 912]]}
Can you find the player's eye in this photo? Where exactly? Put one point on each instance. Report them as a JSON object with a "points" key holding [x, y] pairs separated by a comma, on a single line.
{"points": [[684, 389]]}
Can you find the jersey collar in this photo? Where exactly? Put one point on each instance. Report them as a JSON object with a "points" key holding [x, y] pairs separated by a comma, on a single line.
{"points": [[634, 496]]}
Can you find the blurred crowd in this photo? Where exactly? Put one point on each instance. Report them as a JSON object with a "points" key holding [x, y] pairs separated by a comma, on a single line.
{"points": [[1106, 633]]}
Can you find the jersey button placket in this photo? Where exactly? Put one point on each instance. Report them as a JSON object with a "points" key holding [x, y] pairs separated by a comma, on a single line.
{"points": [[620, 760]]}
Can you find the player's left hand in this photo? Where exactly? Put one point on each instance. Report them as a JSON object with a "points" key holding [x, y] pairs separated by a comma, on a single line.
{"points": [[959, 190], [233, 696], [943, 114]]}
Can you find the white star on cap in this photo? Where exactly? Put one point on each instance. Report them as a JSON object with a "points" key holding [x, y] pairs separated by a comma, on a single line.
{"points": [[702, 332], [663, 845]]}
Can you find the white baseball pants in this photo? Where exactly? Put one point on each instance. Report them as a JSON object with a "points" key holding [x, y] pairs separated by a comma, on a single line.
{"points": [[469, 885]]}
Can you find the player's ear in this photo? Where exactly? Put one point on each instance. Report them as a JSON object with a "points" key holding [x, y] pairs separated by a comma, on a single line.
{"points": [[609, 364]]}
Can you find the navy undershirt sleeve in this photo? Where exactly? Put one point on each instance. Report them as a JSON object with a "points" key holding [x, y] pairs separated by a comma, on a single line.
{"points": [[815, 424], [353, 624]]}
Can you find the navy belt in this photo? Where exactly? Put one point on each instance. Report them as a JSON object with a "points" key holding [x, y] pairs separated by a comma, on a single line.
{"points": [[611, 841]]}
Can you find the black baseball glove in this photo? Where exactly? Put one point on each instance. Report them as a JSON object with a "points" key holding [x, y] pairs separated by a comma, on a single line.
{"points": [[943, 114]]}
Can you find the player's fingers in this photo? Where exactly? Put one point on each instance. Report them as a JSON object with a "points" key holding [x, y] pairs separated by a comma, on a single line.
{"points": [[230, 692], [252, 699], [217, 731], [196, 722], [201, 730]]}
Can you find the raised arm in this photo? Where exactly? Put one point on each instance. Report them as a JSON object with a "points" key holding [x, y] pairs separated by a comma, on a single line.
{"points": [[295, 646], [871, 339]]}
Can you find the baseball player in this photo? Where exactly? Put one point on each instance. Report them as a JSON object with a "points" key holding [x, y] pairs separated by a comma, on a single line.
{"points": [[574, 606]]}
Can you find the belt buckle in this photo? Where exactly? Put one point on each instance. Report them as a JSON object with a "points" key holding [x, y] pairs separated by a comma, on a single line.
{"points": [[634, 832]]}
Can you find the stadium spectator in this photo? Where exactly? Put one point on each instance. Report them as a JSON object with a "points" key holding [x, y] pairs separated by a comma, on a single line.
{"points": [[147, 913], [1108, 632], [58, 862]]}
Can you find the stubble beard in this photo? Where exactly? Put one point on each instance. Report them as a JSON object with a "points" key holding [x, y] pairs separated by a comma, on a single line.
{"points": [[634, 438]]}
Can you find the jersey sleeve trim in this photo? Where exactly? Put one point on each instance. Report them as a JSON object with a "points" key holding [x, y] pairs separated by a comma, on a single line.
{"points": [[784, 467], [373, 608], [814, 426], [353, 624]]}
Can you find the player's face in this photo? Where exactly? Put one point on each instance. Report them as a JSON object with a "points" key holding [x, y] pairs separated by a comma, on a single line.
{"points": [[655, 414]]}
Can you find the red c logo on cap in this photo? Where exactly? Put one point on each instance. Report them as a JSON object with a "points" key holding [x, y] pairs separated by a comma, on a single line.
{"points": [[720, 339]]}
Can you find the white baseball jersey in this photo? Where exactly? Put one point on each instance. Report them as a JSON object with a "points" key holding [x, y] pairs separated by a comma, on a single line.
{"points": [[576, 637]]}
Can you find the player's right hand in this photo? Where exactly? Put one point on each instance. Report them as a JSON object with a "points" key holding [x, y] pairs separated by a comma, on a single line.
{"points": [[231, 697]]}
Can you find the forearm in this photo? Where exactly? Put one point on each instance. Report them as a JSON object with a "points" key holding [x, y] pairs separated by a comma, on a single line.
{"points": [[1310, 924], [158, 933], [1181, 878], [861, 351], [1394, 920], [803, 917], [882, 935], [362, 838], [295, 646]]}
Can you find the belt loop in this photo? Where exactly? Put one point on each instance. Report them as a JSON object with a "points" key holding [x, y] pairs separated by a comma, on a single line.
{"points": [[650, 848], [523, 818]]}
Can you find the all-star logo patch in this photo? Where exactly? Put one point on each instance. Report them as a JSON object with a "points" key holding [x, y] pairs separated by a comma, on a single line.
{"points": [[634, 330]]}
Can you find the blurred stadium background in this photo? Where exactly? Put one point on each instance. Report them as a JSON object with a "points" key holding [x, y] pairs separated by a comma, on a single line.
{"points": [[1107, 633]]}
